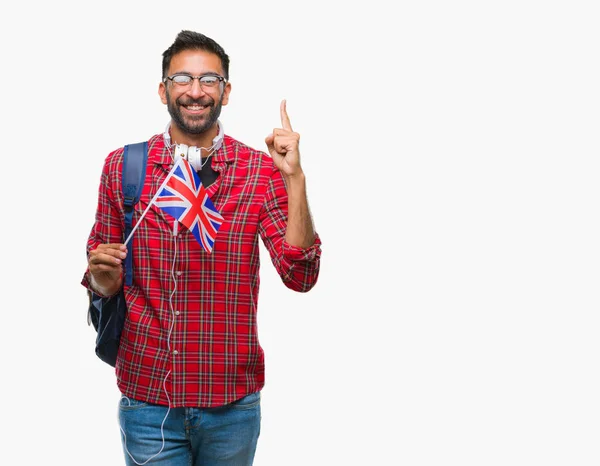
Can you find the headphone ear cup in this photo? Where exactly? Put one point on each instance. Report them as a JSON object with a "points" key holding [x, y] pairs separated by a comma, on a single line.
{"points": [[181, 150], [194, 157], [166, 135], [218, 140]]}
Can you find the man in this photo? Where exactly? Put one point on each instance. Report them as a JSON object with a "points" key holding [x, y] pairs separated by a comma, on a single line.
{"points": [[190, 367]]}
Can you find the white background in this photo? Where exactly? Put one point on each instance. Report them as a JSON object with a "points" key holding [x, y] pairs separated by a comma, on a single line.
{"points": [[451, 153]]}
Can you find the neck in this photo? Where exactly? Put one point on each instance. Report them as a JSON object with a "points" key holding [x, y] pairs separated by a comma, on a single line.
{"points": [[203, 140]]}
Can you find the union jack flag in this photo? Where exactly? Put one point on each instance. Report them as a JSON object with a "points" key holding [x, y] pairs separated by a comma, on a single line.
{"points": [[183, 197]]}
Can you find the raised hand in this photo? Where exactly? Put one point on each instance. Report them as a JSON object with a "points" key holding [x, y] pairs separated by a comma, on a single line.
{"points": [[283, 146]]}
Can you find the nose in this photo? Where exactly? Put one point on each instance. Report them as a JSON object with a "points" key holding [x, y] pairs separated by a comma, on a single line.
{"points": [[195, 90]]}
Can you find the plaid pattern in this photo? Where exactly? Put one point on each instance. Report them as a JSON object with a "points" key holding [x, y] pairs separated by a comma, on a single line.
{"points": [[213, 353]]}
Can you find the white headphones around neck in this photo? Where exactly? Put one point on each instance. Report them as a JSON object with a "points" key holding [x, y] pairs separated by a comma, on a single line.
{"points": [[193, 154]]}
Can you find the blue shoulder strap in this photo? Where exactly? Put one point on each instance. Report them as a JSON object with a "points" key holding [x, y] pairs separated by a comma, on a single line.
{"points": [[135, 157]]}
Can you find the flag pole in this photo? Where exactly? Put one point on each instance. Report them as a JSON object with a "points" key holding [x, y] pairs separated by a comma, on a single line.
{"points": [[149, 205]]}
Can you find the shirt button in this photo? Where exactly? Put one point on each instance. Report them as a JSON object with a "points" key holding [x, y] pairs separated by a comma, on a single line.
{"points": [[175, 353], [177, 313], [179, 273]]}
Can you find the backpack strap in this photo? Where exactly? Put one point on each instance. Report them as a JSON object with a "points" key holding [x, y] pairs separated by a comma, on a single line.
{"points": [[135, 157]]}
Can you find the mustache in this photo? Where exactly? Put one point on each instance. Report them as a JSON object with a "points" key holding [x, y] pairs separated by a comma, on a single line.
{"points": [[207, 102]]}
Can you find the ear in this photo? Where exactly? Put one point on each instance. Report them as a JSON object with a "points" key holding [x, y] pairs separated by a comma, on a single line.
{"points": [[226, 92], [162, 92]]}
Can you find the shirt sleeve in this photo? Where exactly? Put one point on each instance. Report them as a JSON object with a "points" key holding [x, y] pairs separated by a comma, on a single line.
{"points": [[297, 267], [109, 220]]}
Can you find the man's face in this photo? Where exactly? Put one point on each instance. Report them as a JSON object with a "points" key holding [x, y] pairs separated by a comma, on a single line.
{"points": [[194, 108]]}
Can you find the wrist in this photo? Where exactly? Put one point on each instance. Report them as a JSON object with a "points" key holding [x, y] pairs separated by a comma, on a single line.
{"points": [[295, 181], [105, 290]]}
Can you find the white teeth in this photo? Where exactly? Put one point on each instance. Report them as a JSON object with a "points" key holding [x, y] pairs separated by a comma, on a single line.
{"points": [[196, 107]]}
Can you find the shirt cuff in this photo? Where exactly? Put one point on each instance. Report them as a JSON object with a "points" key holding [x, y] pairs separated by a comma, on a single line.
{"points": [[309, 254]]}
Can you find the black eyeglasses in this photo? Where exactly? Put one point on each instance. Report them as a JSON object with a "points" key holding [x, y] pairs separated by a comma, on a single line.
{"points": [[185, 80]]}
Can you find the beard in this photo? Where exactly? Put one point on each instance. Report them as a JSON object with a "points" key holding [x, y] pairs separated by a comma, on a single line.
{"points": [[192, 124]]}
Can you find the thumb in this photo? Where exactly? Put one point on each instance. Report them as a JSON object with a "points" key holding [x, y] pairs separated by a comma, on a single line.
{"points": [[269, 140]]}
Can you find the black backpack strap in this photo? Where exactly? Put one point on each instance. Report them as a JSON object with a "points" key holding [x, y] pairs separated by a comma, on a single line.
{"points": [[135, 157]]}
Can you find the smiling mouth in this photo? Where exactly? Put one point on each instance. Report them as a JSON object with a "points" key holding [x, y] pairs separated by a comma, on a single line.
{"points": [[195, 107]]}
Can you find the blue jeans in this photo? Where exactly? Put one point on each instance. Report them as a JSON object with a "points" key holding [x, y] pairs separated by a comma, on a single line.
{"points": [[223, 436]]}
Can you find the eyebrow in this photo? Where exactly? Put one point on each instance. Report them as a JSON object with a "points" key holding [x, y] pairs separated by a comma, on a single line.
{"points": [[208, 73]]}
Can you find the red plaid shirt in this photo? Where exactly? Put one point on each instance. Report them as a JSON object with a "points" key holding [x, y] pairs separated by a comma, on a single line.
{"points": [[213, 353]]}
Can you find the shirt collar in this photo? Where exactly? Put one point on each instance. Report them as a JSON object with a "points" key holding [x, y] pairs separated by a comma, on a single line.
{"points": [[160, 155]]}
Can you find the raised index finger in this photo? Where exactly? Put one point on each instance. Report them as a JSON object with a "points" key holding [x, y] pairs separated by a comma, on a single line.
{"points": [[285, 119]]}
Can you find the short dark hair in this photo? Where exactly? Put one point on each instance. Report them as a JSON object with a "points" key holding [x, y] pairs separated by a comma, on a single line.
{"points": [[190, 40]]}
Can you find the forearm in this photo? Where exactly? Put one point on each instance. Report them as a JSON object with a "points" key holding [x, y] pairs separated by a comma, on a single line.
{"points": [[300, 229]]}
